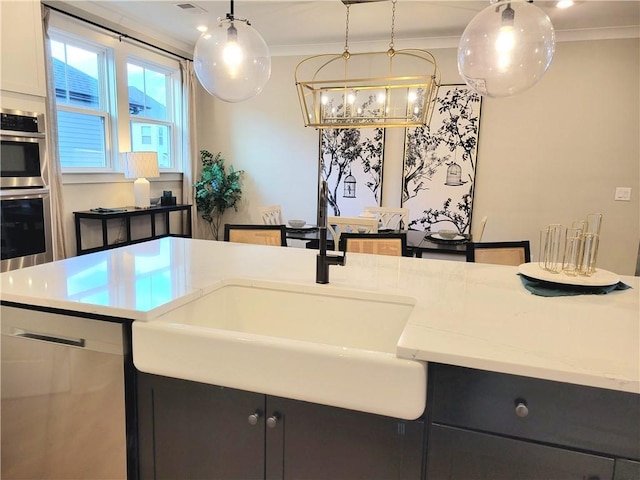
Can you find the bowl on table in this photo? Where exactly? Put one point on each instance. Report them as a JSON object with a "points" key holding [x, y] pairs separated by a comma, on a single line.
{"points": [[297, 223], [448, 234]]}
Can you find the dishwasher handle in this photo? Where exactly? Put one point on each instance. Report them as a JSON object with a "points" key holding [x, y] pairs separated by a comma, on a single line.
{"points": [[75, 342]]}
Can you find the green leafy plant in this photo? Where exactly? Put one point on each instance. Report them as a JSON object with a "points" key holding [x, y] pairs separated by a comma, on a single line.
{"points": [[217, 190]]}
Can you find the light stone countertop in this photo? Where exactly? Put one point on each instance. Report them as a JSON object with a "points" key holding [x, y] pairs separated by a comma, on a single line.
{"points": [[466, 314]]}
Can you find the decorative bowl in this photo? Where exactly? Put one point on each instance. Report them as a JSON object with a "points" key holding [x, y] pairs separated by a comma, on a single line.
{"points": [[297, 223], [448, 234]]}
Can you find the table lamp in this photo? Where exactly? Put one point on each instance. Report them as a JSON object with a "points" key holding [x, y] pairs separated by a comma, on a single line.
{"points": [[141, 165]]}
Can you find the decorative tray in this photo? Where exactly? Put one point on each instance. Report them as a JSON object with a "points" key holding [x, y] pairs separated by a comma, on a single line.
{"points": [[601, 278]]}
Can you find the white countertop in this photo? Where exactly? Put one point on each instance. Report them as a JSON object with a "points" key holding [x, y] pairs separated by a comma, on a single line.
{"points": [[466, 314]]}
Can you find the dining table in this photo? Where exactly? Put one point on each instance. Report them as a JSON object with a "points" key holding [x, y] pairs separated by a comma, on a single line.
{"points": [[418, 241]]}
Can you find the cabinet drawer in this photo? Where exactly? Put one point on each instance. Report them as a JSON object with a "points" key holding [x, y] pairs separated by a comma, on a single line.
{"points": [[592, 419]]}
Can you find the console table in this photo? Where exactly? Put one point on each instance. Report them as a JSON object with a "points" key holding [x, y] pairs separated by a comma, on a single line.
{"points": [[127, 213]]}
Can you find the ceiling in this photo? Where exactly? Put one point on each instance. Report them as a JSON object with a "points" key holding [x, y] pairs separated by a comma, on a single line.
{"points": [[288, 26]]}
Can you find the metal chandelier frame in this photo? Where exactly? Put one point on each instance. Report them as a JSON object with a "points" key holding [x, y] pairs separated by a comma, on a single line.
{"points": [[398, 88]]}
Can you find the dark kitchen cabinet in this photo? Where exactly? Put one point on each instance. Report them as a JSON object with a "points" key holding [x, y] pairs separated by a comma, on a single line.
{"points": [[486, 425], [328, 443], [188, 430], [626, 470], [458, 454], [193, 430]]}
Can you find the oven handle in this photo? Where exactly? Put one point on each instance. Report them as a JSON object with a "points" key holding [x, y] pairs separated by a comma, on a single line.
{"points": [[22, 193], [16, 135]]}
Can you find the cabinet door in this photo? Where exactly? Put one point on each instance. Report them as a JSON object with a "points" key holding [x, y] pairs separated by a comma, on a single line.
{"points": [[22, 60], [189, 430], [321, 442], [626, 470], [457, 454]]}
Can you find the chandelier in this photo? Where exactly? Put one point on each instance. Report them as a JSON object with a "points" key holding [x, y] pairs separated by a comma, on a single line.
{"points": [[396, 88]]}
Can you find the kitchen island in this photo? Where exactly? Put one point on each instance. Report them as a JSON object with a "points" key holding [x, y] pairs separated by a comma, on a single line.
{"points": [[469, 316]]}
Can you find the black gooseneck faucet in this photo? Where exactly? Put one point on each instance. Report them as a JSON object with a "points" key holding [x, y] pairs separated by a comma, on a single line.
{"points": [[323, 261]]}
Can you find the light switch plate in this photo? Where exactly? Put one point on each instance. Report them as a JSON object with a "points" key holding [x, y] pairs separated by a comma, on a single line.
{"points": [[623, 194]]}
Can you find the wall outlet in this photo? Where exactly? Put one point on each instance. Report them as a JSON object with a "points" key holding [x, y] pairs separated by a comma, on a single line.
{"points": [[623, 193]]}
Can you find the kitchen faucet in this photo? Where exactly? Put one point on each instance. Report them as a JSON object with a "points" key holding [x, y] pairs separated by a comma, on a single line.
{"points": [[323, 261]]}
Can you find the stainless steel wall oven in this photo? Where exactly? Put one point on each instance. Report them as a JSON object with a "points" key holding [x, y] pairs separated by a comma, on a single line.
{"points": [[22, 150], [25, 220], [25, 208]]}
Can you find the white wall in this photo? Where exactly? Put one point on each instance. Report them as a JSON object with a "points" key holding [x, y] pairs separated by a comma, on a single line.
{"points": [[549, 155]]}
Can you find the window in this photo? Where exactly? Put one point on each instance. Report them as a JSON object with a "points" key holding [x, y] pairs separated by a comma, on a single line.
{"points": [[83, 117], [149, 109], [96, 78]]}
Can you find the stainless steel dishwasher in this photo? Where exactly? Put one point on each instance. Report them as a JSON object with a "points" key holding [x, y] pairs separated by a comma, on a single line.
{"points": [[63, 406]]}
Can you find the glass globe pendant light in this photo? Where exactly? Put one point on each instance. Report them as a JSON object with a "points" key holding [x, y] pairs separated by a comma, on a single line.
{"points": [[506, 48], [232, 60]]}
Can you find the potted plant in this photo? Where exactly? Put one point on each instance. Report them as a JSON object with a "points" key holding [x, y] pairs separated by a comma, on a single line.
{"points": [[217, 190]]}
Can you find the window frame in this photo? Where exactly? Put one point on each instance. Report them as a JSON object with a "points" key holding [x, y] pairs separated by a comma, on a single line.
{"points": [[105, 98], [173, 87], [119, 51]]}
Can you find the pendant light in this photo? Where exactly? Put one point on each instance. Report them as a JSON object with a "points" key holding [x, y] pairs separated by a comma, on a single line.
{"points": [[506, 48], [394, 88], [232, 60]]}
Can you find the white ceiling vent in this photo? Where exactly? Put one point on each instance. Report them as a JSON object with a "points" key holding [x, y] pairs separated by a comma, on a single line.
{"points": [[190, 8]]}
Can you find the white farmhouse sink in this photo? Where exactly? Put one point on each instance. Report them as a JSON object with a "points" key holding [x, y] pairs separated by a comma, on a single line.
{"points": [[312, 343]]}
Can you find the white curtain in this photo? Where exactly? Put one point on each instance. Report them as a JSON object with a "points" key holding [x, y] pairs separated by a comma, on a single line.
{"points": [[190, 153], [55, 174]]}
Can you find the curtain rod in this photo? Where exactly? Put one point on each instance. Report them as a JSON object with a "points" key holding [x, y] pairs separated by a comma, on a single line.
{"points": [[109, 29]]}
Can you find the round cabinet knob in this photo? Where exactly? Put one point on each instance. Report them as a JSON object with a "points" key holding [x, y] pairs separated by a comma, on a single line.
{"points": [[253, 418], [272, 421], [521, 408]]}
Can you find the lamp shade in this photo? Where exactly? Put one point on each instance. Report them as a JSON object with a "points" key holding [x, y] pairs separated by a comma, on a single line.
{"points": [[140, 164]]}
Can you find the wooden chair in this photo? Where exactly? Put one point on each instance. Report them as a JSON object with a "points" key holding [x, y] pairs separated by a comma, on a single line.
{"points": [[479, 230], [390, 218], [387, 243], [499, 253], [339, 225], [271, 215], [275, 235]]}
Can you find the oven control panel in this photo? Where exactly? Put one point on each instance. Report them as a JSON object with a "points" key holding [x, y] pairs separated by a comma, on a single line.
{"points": [[19, 122]]}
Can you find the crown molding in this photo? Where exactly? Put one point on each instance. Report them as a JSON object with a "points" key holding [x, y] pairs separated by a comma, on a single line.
{"points": [[426, 43]]}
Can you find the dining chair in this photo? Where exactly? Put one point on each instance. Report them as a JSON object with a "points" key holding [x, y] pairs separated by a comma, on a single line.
{"points": [[390, 218], [271, 215], [385, 243], [275, 235], [499, 253], [339, 225], [479, 230]]}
